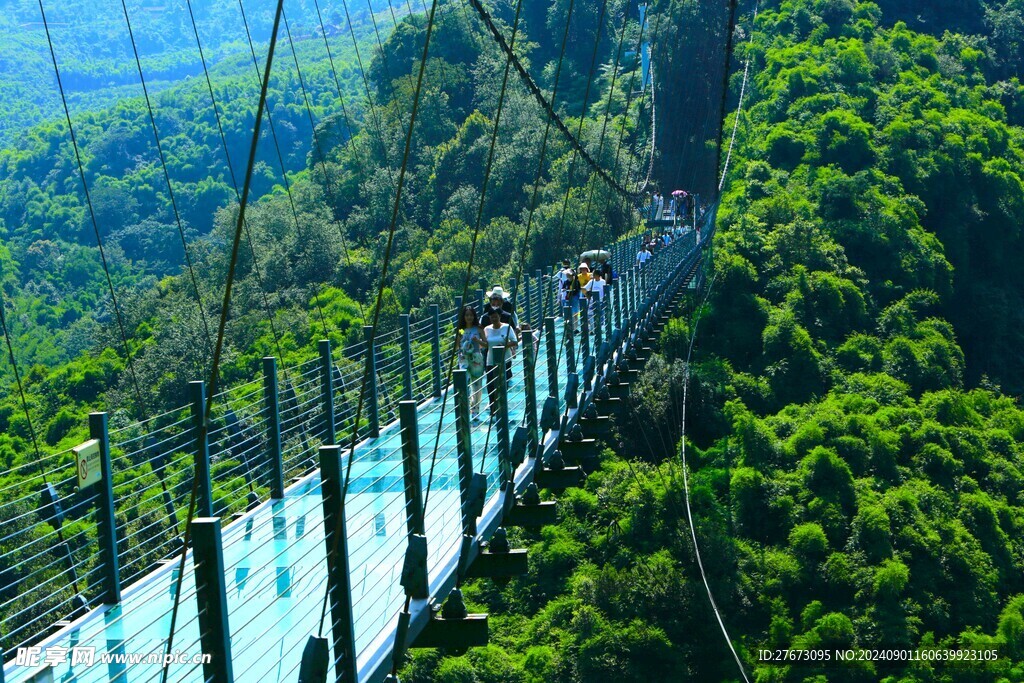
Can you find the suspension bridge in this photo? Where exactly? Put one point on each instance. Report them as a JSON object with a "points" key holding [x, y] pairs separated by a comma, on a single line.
{"points": [[417, 521], [335, 507]]}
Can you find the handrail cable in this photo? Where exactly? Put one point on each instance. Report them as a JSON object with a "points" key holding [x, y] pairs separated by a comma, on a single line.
{"points": [[225, 306]]}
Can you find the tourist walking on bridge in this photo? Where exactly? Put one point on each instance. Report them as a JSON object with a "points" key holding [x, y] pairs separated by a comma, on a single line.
{"points": [[469, 340], [643, 256], [497, 334]]}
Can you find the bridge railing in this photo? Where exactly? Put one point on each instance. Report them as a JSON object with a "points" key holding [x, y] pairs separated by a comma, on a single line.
{"points": [[264, 433]]}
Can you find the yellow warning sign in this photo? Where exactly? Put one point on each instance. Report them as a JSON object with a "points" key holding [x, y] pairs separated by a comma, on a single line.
{"points": [[87, 460]]}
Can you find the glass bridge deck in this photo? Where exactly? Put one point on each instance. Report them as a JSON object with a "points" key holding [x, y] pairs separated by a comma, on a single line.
{"points": [[275, 562]]}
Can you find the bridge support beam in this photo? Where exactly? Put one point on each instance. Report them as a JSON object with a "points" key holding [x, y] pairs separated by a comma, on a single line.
{"points": [[338, 581], [212, 599]]}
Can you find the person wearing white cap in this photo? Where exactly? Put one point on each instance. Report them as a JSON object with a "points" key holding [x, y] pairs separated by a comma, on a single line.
{"points": [[498, 302]]}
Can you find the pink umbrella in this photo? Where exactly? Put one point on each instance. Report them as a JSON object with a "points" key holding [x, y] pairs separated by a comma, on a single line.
{"points": [[679, 192]]}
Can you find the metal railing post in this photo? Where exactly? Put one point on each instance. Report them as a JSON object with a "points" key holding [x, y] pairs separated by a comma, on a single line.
{"points": [[373, 405], [552, 354], [530, 384], [106, 524], [549, 294], [211, 599], [435, 348], [537, 323], [584, 327], [502, 437], [464, 446], [338, 576], [201, 433], [570, 347], [414, 571], [272, 408], [403, 326], [529, 303], [330, 436]]}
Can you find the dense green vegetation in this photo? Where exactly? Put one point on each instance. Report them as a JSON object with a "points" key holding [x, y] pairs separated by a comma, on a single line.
{"points": [[311, 259], [856, 467]]}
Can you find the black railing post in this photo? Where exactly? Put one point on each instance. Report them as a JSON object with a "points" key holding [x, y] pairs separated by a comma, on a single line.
{"points": [[552, 354], [529, 303], [211, 599], [530, 383], [330, 437], [414, 571], [201, 433], [407, 387], [464, 446], [338, 577], [502, 438], [549, 294], [435, 348], [272, 408], [373, 405], [570, 347], [106, 524], [584, 327]]}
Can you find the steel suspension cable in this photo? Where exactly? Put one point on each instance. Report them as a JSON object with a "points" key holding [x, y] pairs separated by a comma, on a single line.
{"points": [[320, 154], [380, 292], [604, 124], [583, 116], [739, 107], [167, 179], [225, 307], [538, 95], [28, 421], [488, 167], [274, 138], [640, 108], [140, 405]]}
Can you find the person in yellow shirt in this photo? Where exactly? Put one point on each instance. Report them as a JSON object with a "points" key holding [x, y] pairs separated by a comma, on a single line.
{"points": [[583, 274]]}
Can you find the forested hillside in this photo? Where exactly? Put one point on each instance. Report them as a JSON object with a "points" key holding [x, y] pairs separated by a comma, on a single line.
{"points": [[313, 248], [854, 427], [98, 69]]}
